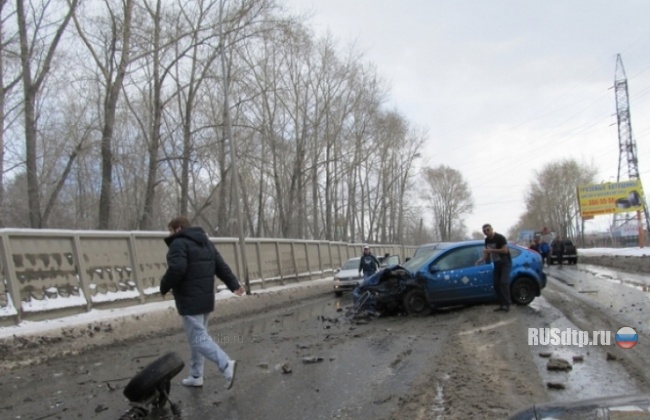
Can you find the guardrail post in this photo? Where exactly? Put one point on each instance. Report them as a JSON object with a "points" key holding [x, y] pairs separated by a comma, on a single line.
{"points": [[320, 259], [277, 253], [135, 271], [238, 258], [82, 273], [258, 251], [10, 273], [293, 260], [307, 259]]}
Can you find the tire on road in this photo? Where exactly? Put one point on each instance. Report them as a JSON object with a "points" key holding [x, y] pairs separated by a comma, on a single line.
{"points": [[415, 303], [523, 291], [157, 374]]}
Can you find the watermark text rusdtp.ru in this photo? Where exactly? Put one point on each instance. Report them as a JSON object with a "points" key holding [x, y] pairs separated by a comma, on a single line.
{"points": [[568, 337]]}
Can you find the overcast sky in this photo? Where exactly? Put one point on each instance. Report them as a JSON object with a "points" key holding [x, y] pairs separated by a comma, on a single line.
{"points": [[505, 87]]}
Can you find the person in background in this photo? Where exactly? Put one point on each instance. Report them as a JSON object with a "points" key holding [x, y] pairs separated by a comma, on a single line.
{"points": [[368, 264], [534, 245], [496, 250], [192, 263], [557, 248], [545, 239]]}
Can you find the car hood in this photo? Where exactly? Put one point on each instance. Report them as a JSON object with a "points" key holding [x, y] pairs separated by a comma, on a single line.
{"points": [[344, 274]]}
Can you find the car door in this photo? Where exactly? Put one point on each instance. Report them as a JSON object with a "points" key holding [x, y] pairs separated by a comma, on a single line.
{"points": [[454, 277]]}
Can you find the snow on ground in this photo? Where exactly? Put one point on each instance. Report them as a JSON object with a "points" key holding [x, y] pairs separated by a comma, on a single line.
{"points": [[629, 252], [98, 315]]}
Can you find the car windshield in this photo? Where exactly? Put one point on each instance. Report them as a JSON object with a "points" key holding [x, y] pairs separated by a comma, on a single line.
{"points": [[351, 264], [422, 255]]}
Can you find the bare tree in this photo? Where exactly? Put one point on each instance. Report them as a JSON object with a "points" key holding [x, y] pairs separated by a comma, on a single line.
{"points": [[110, 50], [552, 197], [7, 43], [33, 32], [450, 198]]}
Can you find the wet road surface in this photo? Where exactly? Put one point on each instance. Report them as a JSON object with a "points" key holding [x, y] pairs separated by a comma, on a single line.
{"points": [[360, 371], [456, 363]]}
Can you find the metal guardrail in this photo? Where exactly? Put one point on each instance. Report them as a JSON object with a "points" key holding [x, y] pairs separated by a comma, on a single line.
{"points": [[52, 273]]}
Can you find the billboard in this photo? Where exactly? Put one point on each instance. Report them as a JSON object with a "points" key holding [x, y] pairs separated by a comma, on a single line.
{"points": [[610, 197]]}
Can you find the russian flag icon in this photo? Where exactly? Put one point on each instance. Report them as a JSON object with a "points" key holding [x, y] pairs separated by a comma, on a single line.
{"points": [[626, 337]]}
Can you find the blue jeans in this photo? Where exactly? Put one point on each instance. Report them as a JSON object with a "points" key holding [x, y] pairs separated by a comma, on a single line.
{"points": [[202, 345], [367, 274]]}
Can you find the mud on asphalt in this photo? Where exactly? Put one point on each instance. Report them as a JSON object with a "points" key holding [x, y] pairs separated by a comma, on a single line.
{"points": [[460, 363]]}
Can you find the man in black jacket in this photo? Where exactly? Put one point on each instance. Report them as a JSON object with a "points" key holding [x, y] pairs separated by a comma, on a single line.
{"points": [[368, 264], [192, 263]]}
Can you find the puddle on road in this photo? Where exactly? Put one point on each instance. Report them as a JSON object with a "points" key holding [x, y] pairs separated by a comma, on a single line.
{"points": [[594, 376]]}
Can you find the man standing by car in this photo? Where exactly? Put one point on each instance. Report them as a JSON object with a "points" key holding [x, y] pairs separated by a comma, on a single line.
{"points": [[369, 264], [496, 250], [192, 263], [557, 249]]}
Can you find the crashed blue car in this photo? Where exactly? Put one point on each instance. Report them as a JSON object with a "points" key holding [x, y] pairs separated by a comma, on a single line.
{"points": [[445, 274]]}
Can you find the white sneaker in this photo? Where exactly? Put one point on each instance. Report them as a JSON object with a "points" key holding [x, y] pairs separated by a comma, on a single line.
{"points": [[192, 381], [229, 373]]}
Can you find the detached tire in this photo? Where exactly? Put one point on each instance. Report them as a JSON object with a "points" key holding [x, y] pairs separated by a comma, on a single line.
{"points": [[523, 291], [157, 374], [415, 303]]}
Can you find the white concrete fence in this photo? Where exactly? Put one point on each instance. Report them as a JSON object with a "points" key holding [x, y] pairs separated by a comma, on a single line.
{"points": [[53, 273]]}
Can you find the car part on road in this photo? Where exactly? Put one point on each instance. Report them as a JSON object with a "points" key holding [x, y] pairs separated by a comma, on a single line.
{"points": [[151, 386]]}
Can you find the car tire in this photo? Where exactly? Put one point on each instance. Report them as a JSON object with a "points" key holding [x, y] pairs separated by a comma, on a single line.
{"points": [[523, 291], [338, 293], [415, 303], [157, 374]]}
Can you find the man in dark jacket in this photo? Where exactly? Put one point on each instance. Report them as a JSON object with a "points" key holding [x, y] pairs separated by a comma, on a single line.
{"points": [[368, 264], [192, 263]]}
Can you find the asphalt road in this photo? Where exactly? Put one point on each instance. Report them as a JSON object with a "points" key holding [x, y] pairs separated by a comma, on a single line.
{"points": [[460, 363]]}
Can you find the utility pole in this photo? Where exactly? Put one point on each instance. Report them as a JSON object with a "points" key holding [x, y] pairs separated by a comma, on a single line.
{"points": [[628, 164], [233, 157]]}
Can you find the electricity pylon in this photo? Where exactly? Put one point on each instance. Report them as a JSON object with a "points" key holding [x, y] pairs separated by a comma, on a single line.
{"points": [[628, 164]]}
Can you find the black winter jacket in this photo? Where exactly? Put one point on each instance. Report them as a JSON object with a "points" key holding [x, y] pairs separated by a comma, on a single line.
{"points": [[192, 263]]}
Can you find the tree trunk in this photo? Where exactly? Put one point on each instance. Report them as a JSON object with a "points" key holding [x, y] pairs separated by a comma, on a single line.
{"points": [[110, 105]]}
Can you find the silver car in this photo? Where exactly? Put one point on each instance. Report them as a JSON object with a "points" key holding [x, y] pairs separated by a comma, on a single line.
{"points": [[347, 277]]}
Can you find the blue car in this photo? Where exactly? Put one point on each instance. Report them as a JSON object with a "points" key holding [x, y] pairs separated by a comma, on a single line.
{"points": [[446, 274]]}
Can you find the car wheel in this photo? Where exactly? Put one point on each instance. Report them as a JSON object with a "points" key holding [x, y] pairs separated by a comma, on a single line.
{"points": [[338, 293], [154, 377], [523, 291], [415, 302]]}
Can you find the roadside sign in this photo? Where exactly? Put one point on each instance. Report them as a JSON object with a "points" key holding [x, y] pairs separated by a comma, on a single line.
{"points": [[610, 197]]}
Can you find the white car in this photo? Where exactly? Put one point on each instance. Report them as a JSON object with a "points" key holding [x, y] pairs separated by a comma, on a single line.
{"points": [[347, 277]]}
